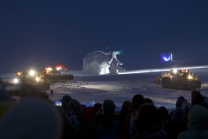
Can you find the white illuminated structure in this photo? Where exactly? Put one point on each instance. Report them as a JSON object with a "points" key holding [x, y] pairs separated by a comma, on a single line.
{"points": [[101, 63]]}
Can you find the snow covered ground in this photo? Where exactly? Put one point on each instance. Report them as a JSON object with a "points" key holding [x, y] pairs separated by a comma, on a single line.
{"points": [[95, 88]]}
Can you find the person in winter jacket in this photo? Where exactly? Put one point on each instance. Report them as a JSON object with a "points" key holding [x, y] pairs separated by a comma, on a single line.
{"points": [[137, 101], [177, 124], [198, 120], [79, 128], [107, 125], [180, 100], [32, 118], [148, 123]]}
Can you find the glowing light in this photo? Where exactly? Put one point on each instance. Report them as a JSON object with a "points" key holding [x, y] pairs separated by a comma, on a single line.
{"points": [[32, 72], [175, 71], [58, 103], [166, 59], [190, 77], [37, 79], [58, 68], [19, 73], [15, 80], [120, 52], [49, 69]]}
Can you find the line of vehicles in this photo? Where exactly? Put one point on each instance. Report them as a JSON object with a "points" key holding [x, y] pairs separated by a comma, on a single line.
{"points": [[175, 79], [41, 80], [50, 74]]}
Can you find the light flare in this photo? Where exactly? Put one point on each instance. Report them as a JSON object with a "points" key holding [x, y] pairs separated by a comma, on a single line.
{"points": [[15, 80], [32, 72]]}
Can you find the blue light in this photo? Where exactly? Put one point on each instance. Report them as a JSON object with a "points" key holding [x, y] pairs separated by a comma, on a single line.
{"points": [[166, 57], [58, 102], [120, 52]]}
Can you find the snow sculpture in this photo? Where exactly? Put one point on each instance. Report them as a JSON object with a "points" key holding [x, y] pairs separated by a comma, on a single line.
{"points": [[101, 63]]}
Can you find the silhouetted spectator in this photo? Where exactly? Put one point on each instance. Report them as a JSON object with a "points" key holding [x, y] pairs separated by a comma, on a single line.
{"points": [[148, 100], [123, 114], [179, 102], [32, 118], [198, 120], [65, 103], [196, 98], [79, 128], [164, 115], [177, 124], [148, 123], [107, 126], [91, 114], [96, 108], [137, 101], [66, 126], [87, 114], [186, 106]]}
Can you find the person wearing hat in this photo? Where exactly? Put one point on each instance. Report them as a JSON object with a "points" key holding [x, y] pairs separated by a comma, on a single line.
{"points": [[177, 124], [65, 103], [107, 125], [197, 123], [32, 118], [179, 103]]}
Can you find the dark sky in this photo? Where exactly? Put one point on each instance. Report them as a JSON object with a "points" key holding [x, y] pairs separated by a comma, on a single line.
{"points": [[36, 33]]}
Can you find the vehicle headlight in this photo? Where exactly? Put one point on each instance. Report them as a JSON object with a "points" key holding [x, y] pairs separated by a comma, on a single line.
{"points": [[58, 68], [174, 70], [32, 72], [49, 69], [15, 80], [37, 79], [190, 77]]}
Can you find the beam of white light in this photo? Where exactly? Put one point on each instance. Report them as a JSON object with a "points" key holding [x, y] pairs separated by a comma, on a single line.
{"points": [[160, 70]]}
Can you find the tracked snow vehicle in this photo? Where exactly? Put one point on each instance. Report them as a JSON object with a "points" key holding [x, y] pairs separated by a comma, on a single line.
{"points": [[57, 73], [33, 78], [179, 79], [42, 79]]}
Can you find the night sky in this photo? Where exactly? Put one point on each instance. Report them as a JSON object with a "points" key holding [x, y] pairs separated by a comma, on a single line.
{"points": [[37, 33]]}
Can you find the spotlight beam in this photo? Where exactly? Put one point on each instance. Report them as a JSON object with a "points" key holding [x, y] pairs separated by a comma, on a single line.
{"points": [[160, 70]]}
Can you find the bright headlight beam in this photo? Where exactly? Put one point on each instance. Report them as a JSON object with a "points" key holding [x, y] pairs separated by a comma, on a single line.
{"points": [[37, 79], [160, 70], [32, 72], [15, 80], [49, 69], [190, 77], [174, 70]]}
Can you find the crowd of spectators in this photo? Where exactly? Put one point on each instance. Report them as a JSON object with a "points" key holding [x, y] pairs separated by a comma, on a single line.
{"points": [[35, 116]]}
